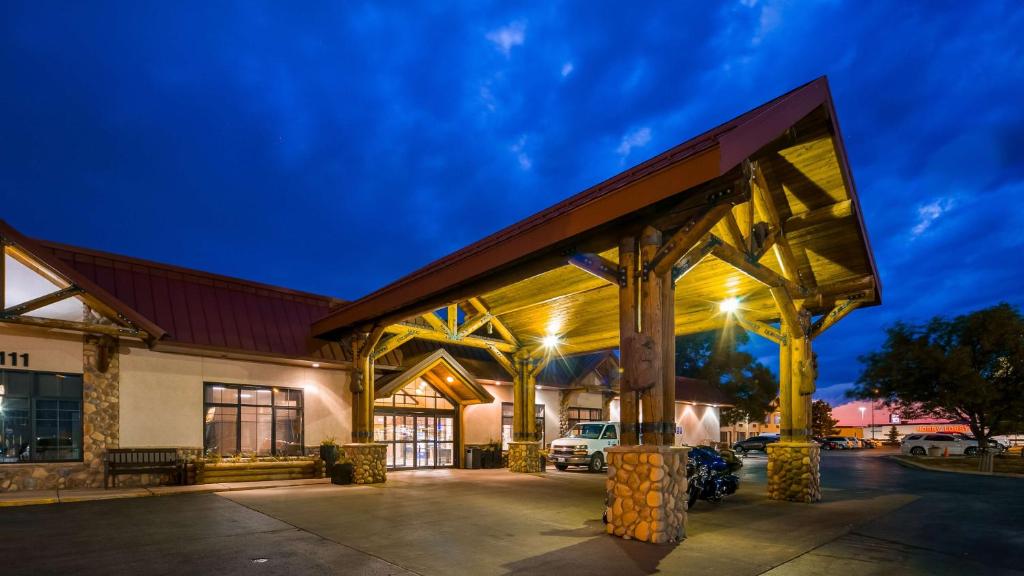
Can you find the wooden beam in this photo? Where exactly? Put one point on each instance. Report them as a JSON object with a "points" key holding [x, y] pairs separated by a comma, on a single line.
{"points": [[472, 324], [760, 328], [542, 363], [853, 289], [393, 342], [840, 311], [453, 318], [435, 322], [435, 336], [628, 300], [598, 266], [693, 257], [498, 325], [754, 269], [107, 329], [732, 228], [40, 302], [502, 359], [685, 238], [782, 250], [648, 344], [830, 213], [371, 340], [787, 311]]}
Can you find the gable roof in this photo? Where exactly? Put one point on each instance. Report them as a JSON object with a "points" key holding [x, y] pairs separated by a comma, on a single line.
{"points": [[538, 243]]}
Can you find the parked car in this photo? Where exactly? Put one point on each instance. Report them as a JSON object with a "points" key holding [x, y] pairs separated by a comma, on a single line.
{"points": [[823, 443], [993, 444], [754, 443], [867, 443], [840, 442], [584, 446], [918, 444]]}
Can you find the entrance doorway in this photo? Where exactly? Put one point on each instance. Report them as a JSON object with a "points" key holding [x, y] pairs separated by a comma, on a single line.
{"points": [[418, 425]]}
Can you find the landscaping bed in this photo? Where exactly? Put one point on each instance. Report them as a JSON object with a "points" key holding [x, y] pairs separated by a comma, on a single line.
{"points": [[258, 469]]}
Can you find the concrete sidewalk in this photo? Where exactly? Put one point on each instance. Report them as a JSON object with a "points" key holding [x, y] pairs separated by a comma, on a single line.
{"points": [[37, 497]]}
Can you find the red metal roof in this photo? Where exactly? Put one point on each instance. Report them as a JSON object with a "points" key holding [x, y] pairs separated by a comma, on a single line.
{"points": [[201, 309]]}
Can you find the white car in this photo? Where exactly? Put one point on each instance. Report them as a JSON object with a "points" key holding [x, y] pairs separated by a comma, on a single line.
{"points": [[841, 442], [584, 446], [918, 444]]}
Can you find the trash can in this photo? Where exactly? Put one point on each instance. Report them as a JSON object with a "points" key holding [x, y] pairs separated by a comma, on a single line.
{"points": [[472, 459]]}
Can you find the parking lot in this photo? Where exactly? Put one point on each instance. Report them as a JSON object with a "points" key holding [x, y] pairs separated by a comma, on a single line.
{"points": [[877, 517]]}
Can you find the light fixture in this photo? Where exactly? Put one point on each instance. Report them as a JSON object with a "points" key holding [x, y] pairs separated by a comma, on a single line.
{"points": [[316, 364], [550, 341], [449, 379], [729, 305]]}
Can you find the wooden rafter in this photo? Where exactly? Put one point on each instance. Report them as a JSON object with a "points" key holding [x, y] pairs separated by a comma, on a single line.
{"points": [[473, 324], [685, 238], [841, 209], [840, 311], [787, 311], [783, 252], [453, 318], [496, 323], [435, 322], [732, 229], [502, 359], [598, 266], [42, 301], [755, 270], [436, 336], [760, 328]]}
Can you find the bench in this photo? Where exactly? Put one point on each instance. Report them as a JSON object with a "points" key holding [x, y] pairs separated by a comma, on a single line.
{"points": [[142, 461]]}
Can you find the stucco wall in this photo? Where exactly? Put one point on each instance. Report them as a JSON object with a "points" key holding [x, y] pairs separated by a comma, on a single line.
{"points": [[48, 351], [700, 424], [483, 421], [162, 396]]}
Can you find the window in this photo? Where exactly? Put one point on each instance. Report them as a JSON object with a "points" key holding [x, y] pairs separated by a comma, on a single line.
{"points": [[40, 416], [609, 433], [252, 420], [575, 415], [507, 411]]}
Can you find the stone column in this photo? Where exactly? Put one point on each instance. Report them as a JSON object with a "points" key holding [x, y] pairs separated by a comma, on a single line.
{"points": [[646, 493], [100, 407], [368, 462], [524, 457], [793, 472]]}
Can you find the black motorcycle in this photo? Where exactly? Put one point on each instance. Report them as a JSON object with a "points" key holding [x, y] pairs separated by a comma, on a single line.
{"points": [[708, 476]]}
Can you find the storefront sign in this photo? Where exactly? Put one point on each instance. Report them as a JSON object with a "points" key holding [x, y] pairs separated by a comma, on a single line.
{"points": [[14, 359], [945, 428]]}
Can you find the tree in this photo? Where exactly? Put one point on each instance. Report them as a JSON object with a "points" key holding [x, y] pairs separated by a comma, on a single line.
{"points": [[969, 368], [716, 358], [822, 422], [893, 436]]}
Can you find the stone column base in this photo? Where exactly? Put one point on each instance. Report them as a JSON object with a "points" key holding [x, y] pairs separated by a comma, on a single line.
{"points": [[369, 462], [793, 472], [646, 493], [524, 456]]}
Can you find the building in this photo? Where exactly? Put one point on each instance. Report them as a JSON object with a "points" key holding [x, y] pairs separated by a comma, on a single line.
{"points": [[102, 351], [864, 419]]}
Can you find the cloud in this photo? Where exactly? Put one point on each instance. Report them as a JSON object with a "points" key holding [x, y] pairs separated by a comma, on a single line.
{"points": [[930, 213], [507, 37], [519, 149], [635, 139], [566, 69]]}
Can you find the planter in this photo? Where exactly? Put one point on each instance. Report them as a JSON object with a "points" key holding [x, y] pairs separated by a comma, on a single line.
{"points": [[342, 473], [329, 454], [490, 459]]}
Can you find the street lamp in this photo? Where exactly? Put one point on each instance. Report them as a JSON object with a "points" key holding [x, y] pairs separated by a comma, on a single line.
{"points": [[861, 408]]}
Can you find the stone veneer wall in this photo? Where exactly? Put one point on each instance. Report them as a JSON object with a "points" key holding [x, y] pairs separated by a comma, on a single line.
{"points": [[369, 462], [100, 388], [646, 493], [524, 457], [793, 471]]}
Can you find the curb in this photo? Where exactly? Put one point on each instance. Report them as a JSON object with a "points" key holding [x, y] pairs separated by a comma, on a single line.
{"points": [[911, 464]]}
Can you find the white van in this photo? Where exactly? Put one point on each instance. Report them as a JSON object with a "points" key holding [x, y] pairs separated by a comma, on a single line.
{"points": [[584, 446]]}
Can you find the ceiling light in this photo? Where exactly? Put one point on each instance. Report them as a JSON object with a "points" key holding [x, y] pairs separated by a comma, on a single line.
{"points": [[729, 305], [316, 364], [449, 379], [550, 341]]}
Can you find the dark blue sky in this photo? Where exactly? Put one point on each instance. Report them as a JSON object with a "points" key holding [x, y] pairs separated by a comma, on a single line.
{"points": [[336, 147]]}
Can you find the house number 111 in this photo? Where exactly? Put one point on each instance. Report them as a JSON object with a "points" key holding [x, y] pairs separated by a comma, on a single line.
{"points": [[12, 359]]}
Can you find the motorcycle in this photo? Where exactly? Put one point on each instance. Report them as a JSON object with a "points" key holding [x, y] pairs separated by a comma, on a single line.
{"points": [[709, 475]]}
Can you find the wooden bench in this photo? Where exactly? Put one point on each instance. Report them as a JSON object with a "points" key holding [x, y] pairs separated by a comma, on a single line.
{"points": [[142, 461]]}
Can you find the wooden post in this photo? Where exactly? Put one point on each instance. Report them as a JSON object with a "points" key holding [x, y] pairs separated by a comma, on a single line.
{"points": [[628, 413], [651, 365], [800, 403], [668, 352], [522, 407], [786, 386], [530, 405], [363, 393]]}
